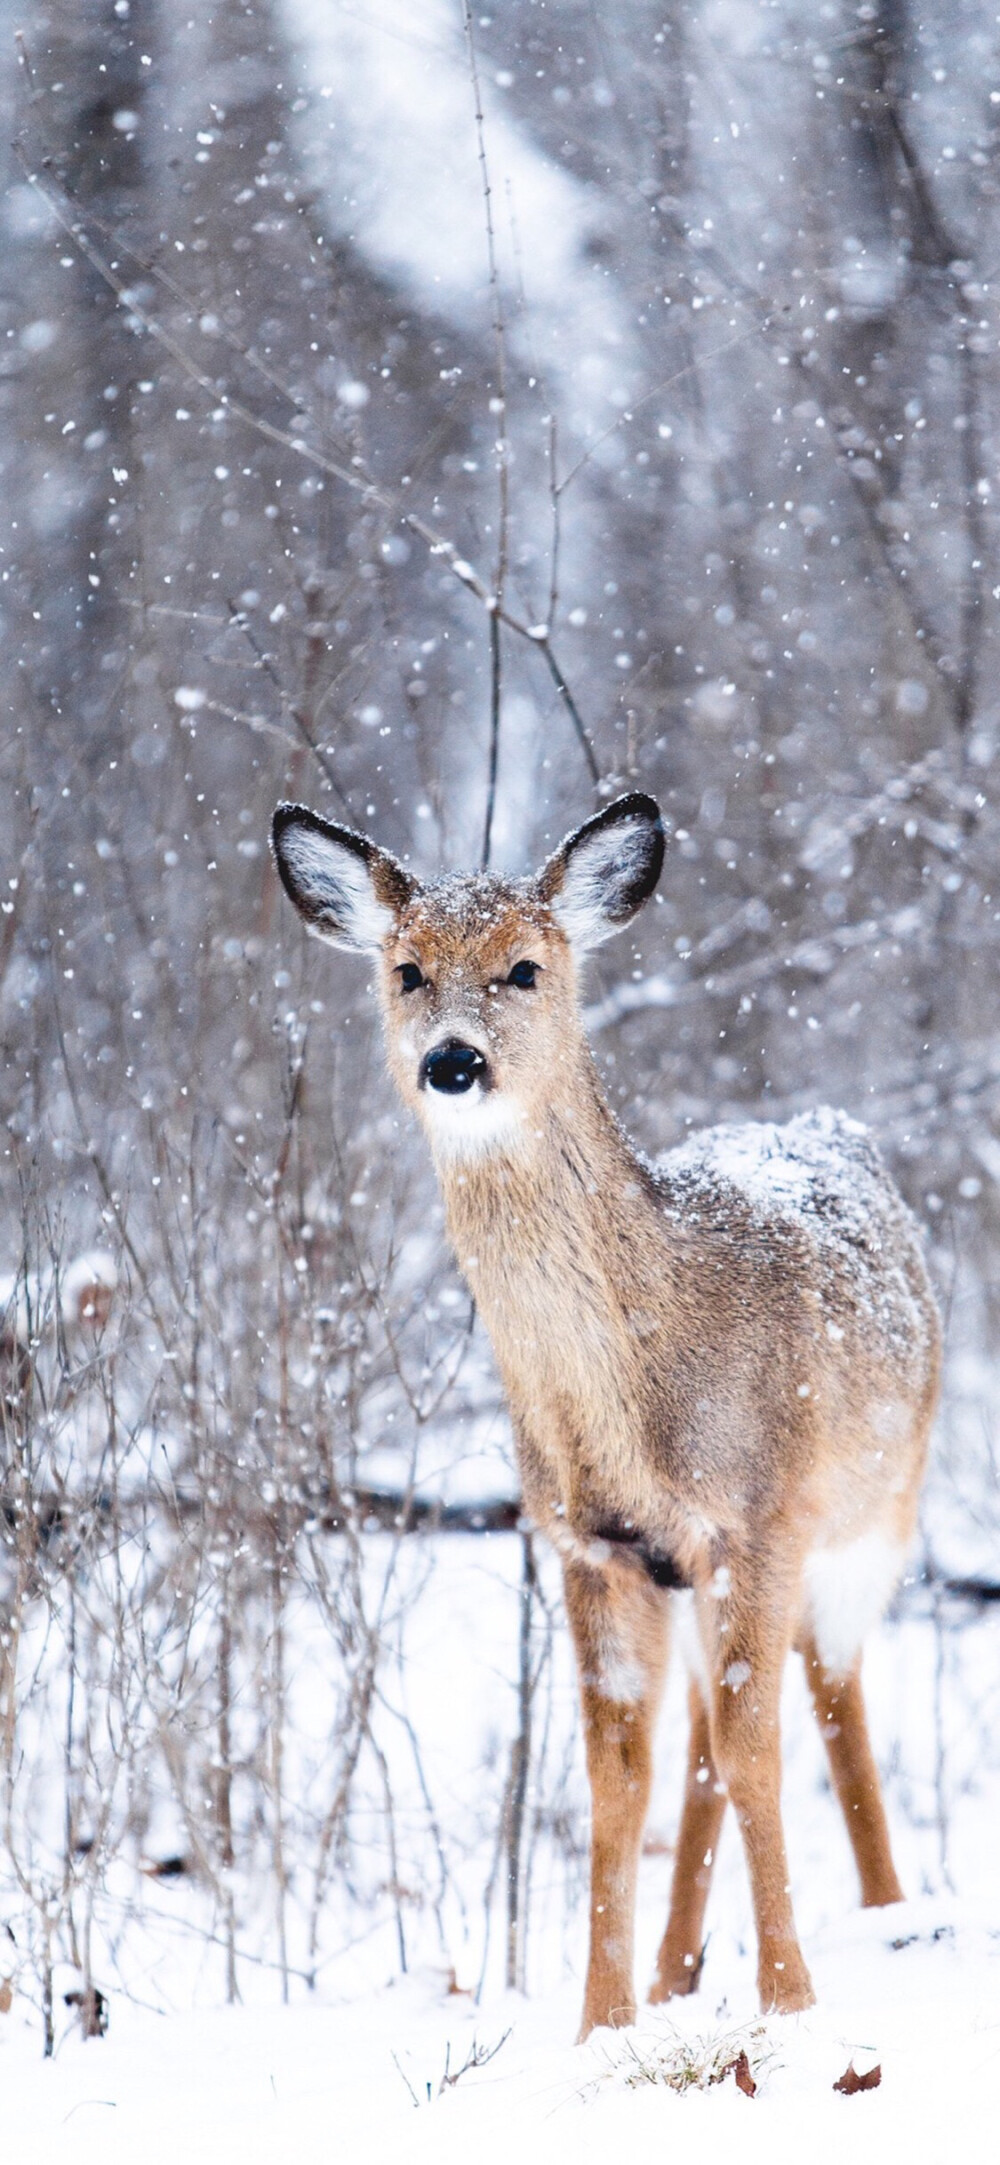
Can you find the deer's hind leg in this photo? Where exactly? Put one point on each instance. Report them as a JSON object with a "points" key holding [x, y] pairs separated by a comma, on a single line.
{"points": [[840, 1711], [746, 1634], [619, 1625], [678, 1964]]}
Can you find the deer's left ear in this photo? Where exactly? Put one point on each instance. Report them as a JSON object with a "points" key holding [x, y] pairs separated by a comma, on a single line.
{"points": [[601, 875], [348, 890]]}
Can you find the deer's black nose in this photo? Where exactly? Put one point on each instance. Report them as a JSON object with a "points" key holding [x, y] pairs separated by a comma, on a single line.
{"points": [[453, 1067]]}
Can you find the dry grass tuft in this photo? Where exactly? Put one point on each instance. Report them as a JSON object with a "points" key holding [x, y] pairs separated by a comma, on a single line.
{"points": [[639, 2059]]}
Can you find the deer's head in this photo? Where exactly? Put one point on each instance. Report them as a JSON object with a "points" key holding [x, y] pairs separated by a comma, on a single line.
{"points": [[476, 974]]}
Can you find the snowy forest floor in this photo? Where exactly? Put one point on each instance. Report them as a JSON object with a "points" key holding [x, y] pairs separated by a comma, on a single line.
{"points": [[356, 2070], [320, 2082]]}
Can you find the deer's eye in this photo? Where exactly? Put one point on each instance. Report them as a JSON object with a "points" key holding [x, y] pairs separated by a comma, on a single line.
{"points": [[523, 975], [409, 976]]}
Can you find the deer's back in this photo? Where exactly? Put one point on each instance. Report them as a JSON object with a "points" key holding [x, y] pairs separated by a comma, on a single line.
{"points": [[805, 1275], [810, 1206]]}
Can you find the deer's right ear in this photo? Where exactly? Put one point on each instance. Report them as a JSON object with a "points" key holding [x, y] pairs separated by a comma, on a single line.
{"points": [[348, 890]]}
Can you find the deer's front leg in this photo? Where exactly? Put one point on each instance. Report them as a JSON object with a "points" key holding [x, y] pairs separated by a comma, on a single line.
{"points": [[619, 1625], [746, 1639]]}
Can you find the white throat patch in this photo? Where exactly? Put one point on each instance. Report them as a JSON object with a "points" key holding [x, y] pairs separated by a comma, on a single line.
{"points": [[473, 1123]]}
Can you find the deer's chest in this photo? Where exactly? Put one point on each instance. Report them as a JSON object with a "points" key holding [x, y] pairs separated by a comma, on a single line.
{"points": [[569, 1358]]}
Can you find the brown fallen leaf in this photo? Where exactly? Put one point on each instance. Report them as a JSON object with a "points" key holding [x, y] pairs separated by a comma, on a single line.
{"points": [[851, 2082], [6, 1995], [739, 2069]]}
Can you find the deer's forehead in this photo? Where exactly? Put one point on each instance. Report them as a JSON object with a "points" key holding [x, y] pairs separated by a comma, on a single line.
{"points": [[473, 921]]}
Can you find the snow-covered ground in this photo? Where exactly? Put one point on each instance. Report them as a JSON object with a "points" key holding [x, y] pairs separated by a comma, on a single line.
{"points": [[355, 2070], [334, 2081]]}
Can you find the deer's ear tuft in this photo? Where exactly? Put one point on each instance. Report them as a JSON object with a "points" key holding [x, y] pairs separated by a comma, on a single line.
{"points": [[348, 890], [603, 873]]}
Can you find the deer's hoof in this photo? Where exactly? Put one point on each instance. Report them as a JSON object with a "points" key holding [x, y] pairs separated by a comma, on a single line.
{"points": [[786, 1989], [616, 2014], [677, 1979]]}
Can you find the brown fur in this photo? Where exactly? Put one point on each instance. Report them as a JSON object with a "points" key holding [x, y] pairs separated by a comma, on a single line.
{"points": [[695, 1381]]}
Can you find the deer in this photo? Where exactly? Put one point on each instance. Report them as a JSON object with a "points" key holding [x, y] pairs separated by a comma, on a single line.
{"points": [[721, 1368]]}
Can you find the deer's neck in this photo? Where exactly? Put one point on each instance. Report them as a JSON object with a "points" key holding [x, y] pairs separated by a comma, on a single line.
{"points": [[570, 1177], [559, 1241]]}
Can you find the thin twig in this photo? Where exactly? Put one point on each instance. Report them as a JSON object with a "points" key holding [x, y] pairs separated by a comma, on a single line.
{"points": [[946, 250], [321, 757], [545, 647], [477, 2056], [404, 2077], [520, 1764], [498, 405], [24, 61], [555, 498], [494, 755]]}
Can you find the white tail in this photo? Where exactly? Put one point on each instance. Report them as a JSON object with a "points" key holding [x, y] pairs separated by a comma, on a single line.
{"points": [[721, 1371]]}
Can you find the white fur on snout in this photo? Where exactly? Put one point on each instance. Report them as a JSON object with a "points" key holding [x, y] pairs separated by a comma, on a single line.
{"points": [[471, 1123]]}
